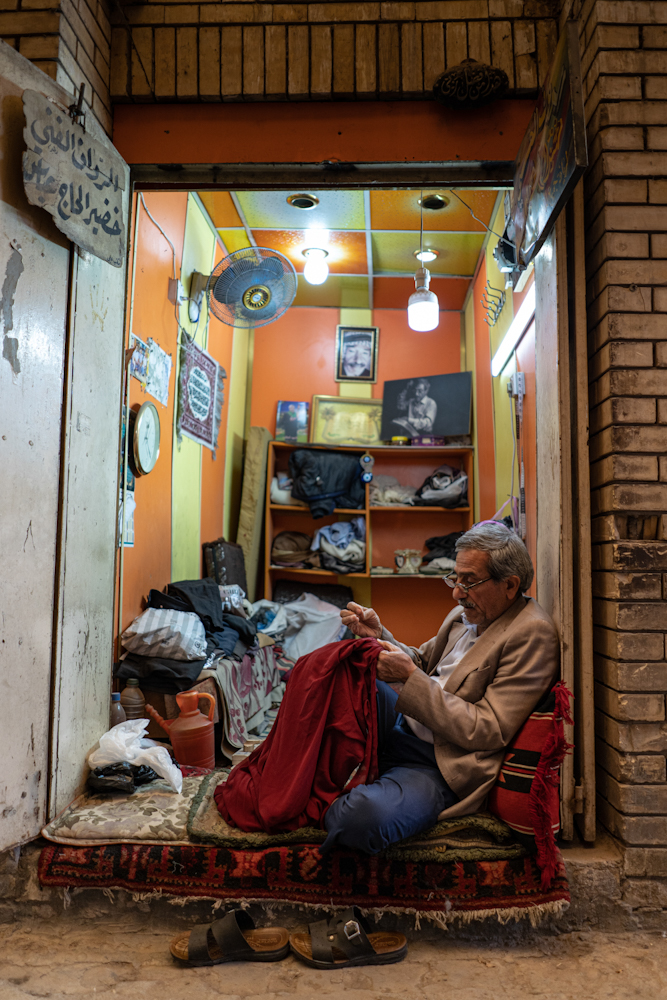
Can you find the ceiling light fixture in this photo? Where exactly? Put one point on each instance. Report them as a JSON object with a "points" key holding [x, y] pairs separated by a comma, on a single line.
{"points": [[426, 255], [434, 202], [316, 270], [423, 305]]}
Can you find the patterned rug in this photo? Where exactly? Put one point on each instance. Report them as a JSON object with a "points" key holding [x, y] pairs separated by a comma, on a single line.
{"points": [[297, 874]]}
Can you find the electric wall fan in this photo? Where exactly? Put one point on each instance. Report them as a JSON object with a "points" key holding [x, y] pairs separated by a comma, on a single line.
{"points": [[251, 287]]}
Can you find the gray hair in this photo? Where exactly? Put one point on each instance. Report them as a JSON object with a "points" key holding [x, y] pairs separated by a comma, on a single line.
{"points": [[507, 555]]}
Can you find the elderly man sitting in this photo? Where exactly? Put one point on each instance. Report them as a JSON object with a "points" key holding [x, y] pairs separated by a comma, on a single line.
{"points": [[463, 696]]}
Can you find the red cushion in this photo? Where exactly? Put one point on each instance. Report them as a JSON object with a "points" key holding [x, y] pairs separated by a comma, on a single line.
{"points": [[526, 795]]}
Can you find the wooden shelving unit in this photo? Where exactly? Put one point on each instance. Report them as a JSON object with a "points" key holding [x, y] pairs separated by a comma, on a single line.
{"points": [[388, 528]]}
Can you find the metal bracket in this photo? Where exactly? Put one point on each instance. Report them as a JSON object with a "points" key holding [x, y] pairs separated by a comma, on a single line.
{"points": [[76, 112]]}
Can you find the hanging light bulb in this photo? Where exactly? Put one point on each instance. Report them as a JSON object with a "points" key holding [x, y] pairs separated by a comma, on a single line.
{"points": [[423, 305], [316, 270]]}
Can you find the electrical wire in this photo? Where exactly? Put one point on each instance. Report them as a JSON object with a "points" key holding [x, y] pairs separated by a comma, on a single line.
{"points": [[181, 328], [481, 222]]}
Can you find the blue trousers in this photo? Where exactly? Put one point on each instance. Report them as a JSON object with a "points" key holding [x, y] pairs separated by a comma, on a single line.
{"points": [[406, 798]]}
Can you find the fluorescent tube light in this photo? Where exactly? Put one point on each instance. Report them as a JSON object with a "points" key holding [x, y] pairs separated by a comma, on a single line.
{"points": [[518, 327]]}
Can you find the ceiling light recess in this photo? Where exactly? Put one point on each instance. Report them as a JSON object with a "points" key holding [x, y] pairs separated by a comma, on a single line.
{"points": [[303, 201], [316, 270], [426, 255], [434, 202]]}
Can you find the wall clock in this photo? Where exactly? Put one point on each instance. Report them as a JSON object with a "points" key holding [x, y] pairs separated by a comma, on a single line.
{"points": [[146, 438]]}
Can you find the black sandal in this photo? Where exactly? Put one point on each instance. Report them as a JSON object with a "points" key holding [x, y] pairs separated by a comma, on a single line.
{"points": [[232, 938], [346, 940]]}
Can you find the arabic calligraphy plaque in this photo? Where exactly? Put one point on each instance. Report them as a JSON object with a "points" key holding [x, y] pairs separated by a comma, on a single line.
{"points": [[75, 178]]}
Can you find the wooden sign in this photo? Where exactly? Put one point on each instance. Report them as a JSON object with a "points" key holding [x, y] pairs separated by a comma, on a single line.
{"points": [[77, 179], [553, 153]]}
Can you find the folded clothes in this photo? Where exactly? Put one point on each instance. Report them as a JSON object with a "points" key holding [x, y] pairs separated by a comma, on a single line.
{"points": [[350, 559], [326, 479], [161, 674], [341, 533], [386, 490], [442, 546], [281, 491]]}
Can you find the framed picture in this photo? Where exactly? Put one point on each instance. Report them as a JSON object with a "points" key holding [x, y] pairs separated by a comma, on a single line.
{"points": [[292, 422], [339, 420], [432, 406], [357, 353]]}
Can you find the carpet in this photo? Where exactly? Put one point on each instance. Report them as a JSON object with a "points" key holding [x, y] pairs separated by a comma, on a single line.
{"points": [[297, 874], [481, 837]]}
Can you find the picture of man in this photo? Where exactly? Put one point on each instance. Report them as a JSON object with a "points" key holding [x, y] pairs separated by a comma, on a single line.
{"points": [[356, 354], [422, 410]]}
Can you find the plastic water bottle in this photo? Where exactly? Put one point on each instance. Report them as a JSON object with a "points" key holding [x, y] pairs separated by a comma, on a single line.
{"points": [[117, 713], [133, 700]]}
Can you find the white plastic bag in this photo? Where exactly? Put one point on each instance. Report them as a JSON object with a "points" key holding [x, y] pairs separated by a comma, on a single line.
{"points": [[126, 741]]}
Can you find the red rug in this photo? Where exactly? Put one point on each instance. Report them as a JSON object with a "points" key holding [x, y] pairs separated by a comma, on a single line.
{"points": [[299, 874]]}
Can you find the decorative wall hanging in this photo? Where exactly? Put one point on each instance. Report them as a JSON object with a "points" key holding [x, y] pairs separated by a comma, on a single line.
{"points": [[470, 85], [200, 395], [339, 420]]}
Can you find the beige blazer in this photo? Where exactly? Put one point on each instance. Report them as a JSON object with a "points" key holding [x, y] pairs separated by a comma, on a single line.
{"points": [[487, 698]]}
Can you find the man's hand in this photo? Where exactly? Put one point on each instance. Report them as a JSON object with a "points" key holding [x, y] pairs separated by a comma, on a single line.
{"points": [[393, 664], [364, 622]]}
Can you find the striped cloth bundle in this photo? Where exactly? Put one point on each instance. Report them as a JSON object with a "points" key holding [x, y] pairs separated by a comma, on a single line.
{"points": [[175, 635]]}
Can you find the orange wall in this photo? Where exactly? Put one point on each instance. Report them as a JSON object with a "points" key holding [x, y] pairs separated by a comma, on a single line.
{"points": [[486, 462], [294, 357], [310, 132], [148, 563], [213, 469]]}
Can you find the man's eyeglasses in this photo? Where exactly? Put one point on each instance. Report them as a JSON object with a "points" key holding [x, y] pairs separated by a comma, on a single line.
{"points": [[453, 581]]}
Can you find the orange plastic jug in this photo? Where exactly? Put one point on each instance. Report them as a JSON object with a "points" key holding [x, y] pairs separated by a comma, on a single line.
{"points": [[191, 734]]}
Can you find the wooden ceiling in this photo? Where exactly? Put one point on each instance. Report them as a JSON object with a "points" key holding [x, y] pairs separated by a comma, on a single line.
{"points": [[370, 238]]}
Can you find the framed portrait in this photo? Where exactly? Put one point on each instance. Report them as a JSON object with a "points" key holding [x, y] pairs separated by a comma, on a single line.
{"points": [[292, 422], [339, 420], [357, 353], [435, 405]]}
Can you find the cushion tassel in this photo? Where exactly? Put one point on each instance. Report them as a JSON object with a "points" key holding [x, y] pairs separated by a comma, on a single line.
{"points": [[546, 774]]}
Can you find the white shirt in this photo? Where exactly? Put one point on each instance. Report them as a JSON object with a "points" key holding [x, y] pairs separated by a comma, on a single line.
{"points": [[444, 671]]}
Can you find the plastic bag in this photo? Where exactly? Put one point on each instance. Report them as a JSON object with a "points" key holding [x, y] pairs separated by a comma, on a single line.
{"points": [[122, 777], [176, 635], [126, 742]]}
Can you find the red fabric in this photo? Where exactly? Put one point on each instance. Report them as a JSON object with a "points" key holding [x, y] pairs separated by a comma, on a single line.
{"points": [[326, 726], [525, 795]]}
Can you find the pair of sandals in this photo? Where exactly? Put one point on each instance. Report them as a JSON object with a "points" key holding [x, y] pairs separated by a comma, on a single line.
{"points": [[336, 943]]}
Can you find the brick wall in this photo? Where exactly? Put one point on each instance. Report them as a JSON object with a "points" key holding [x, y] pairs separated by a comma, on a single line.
{"points": [[321, 51], [69, 40], [625, 68]]}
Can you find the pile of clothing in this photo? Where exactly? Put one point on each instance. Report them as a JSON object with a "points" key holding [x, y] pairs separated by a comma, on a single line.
{"points": [[185, 638], [300, 626], [326, 479], [445, 487], [441, 555], [339, 547], [281, 491], [386, 490]]}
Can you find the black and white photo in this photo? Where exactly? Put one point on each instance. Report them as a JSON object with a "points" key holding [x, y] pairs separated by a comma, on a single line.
{"points": [[356, 353], [430, 405]]}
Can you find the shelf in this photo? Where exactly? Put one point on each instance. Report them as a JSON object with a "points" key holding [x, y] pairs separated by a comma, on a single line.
{"points": [[315, 572], [407, 576], [306, 509], [442, 510], [403, 448]]}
